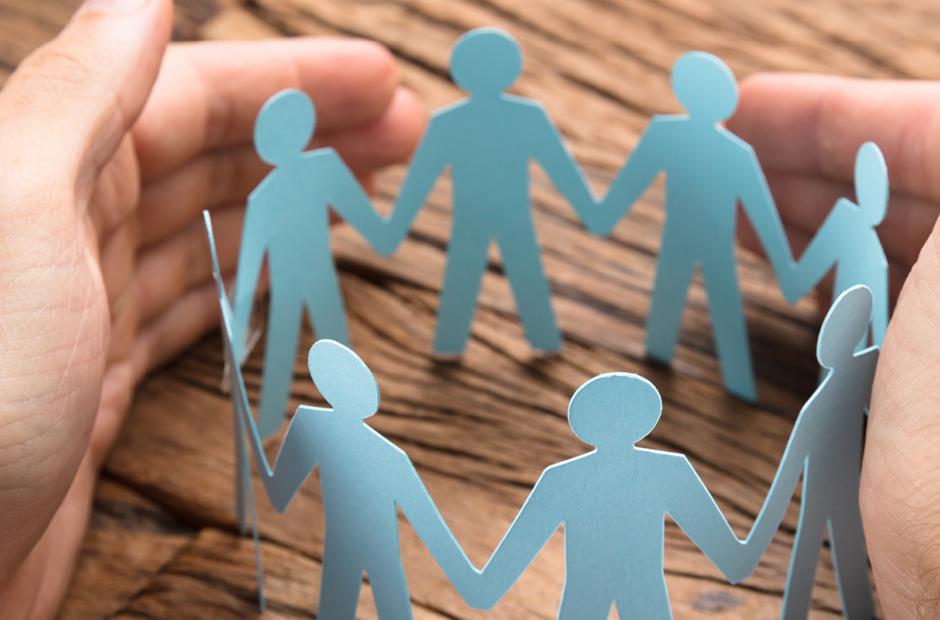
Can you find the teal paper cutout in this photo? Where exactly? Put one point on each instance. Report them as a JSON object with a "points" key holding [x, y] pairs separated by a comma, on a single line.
{"points": [[363, 477], [613, 502], [848, 240], [288, 220], [488, 140], [708, 171], [244, 493], [825, 447]]}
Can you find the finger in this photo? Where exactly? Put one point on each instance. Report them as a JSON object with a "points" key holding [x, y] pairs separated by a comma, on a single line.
{"points": [[169, 269], [78, 94], [208, 94], [900, 482], [805, 200], [815, 124], [171, 333], [228, 175]]}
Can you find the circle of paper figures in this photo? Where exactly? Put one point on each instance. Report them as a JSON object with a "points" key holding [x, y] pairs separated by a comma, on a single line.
{"points": [[614, 499]]}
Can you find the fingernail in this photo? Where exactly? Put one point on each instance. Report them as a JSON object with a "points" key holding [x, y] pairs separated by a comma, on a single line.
{"points": [[111, 6]]}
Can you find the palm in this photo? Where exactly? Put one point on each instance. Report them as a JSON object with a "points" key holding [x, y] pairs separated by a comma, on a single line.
{"points": [[131, 259]]}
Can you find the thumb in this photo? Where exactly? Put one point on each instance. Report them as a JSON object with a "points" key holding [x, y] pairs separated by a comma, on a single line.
{"points": [[74, 98], [900, 493]]}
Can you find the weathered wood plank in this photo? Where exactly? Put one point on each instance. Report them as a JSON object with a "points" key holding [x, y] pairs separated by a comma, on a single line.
{"points": [[162, 542]]}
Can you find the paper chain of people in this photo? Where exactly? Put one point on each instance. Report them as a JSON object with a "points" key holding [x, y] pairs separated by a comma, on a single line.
{"points": [[614, 526]]}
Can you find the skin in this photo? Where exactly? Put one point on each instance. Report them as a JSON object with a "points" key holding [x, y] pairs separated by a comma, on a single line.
{"points": [[104, 271], [806, 130], [118, 141]]}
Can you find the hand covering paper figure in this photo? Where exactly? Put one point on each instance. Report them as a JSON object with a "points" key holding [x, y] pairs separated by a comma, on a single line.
{"points": [[364, 478], [288, 219], [612, 502], [708, 171], [488, 140], [848, 241], [825, 447]]}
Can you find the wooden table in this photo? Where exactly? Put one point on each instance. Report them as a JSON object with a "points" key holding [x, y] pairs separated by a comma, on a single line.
{"points": [[163, 542]]}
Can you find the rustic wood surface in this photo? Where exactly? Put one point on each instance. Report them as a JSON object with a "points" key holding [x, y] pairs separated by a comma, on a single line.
{"points": [[163, 541]]}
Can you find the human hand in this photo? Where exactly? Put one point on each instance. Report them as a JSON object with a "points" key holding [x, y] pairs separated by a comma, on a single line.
{"points": [[807, 130], [104, 266]]}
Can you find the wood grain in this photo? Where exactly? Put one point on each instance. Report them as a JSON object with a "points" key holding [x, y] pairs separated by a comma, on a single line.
{"points": [[163, 541]]}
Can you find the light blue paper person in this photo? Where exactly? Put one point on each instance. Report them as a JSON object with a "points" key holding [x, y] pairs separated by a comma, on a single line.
{"points": [[825, 447], [612, 502], [364, 480], [708, 171], [488, 141], [288, 220], [848, 241]]}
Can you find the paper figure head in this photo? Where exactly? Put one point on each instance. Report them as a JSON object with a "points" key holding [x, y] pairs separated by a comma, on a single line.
{"points": [[485, 61], [871, 182], [343, 379], [614, 409], [844, 326], [705, 86], [284, 126]]}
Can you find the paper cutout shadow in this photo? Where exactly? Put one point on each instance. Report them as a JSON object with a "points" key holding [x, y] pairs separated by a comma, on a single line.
{"points": [[848, 241], [287, 220], [364, 479], [487, 140], [708, 171]]}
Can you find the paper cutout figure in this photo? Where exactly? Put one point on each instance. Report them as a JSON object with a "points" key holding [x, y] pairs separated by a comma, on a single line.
{"points": [[826, 448], [363, 477], [708, 171], [488, 141], [848, 241], [288, 219], [612, 502]]}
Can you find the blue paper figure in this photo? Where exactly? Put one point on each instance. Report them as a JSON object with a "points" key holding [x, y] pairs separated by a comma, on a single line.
{"points": [[848, 241], [613, 502], [708, 171], [363, 478], [288, 219], [488, 141], [826, 448]]}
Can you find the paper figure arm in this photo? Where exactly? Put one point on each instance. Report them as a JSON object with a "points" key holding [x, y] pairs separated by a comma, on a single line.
{"points": [[296, 458], [426, 166], [426, 519], [349, 200], [778, 497], [819, 256], [250, 257], [693, 508], [556, 159], [641, 169], [533, 526], [758, 203]]}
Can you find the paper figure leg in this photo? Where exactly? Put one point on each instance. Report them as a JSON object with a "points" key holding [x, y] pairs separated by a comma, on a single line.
{"points": [[851, 564], [466, 260], [727, 312], [279, 354], [585, 606], [522, 262], [389, 588], [325, 305], [673, 275], [339, 584], [654, 604], [802, 574]]}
